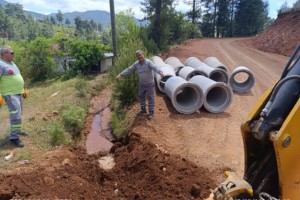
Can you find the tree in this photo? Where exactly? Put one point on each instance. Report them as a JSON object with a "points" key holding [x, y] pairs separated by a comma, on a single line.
{"points": [[222, 20], [15, 9], [3, 23], [99, 27], [251, 17], [231, 20], [79, 26], [127, 28], [296, 5], [208, 24], [32, 28], [53, 20], [59, 16], [67, 22], [158, 13], [195, 12]]}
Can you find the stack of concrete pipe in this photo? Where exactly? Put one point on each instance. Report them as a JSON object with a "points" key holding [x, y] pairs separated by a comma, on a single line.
{"points": [[195, 84]]}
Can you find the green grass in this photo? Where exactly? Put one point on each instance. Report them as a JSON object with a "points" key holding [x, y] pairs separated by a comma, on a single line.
{"points": [[43, 118]]}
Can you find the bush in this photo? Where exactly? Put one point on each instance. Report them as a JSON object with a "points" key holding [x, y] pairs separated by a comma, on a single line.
{"points": [[37, 57], [69, 74], [119, 120], [86, 53], [73, 118], [82, 87], [57, 134]]}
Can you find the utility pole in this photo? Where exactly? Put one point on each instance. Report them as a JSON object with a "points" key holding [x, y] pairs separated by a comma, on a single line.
{"points": [[113, 27]]}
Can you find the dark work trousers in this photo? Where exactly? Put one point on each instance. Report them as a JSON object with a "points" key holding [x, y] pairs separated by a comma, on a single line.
{"points": [[148, 90], [14, 104]]}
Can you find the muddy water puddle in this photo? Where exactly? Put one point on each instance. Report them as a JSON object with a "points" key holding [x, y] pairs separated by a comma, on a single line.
{"points": [[98, 140]]}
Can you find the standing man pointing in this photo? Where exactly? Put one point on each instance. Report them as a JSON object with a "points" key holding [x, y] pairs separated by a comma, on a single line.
{"points": [[144, 68]]}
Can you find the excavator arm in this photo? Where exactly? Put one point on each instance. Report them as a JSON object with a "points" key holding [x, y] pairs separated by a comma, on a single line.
{"points": [[271, 144]]}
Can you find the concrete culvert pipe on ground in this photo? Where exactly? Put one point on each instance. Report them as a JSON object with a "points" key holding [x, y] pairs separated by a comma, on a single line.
{"points": [[186, 97], [168, 72], [158, 61], [217, 95], [215, 63], [215, 74], [241, 80], [174, 62], [188, 72]]}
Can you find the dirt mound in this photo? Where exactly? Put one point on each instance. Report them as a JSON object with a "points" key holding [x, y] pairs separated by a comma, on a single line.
{"points": [[282, 37], [142, 171]]}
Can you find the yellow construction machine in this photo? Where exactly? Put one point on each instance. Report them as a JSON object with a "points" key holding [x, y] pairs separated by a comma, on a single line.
{"points": [[271, 136]]}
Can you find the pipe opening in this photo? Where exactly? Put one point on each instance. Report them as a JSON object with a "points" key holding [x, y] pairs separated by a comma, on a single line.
{"points": [[241, 79], [186, 97], [219, 76], [163, 81], [218, 99], [195, 73]]}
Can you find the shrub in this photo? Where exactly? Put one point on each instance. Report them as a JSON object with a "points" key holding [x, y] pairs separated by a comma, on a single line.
{"points": [[37, 57], [86, 53], [81, 86], [73, 118], [57, 134]]}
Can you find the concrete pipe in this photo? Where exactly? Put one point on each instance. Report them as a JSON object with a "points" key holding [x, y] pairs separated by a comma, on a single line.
{"points": [[217, 95], [160, 81], [174, 62], [188, 72], [241, 80], [186, 97], [158, 61], [215, 74], [215, 63]]}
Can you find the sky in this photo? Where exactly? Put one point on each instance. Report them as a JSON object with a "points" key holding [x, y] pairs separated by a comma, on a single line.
{"points": [[52, 6]]}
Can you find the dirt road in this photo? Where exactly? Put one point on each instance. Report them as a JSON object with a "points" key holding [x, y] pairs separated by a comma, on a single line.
{"points": [[212, 140]]}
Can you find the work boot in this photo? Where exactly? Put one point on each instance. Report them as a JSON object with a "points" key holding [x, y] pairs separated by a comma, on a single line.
{"points": [[17, 143], [150, 116], [23, 133], [141, 112]]}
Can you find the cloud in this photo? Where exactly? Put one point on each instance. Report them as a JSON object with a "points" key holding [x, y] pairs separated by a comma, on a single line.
{"points": [[47, 6]]}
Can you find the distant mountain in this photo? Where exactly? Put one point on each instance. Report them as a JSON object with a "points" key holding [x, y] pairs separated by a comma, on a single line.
{"points": [[3, 3], [102, 17]]}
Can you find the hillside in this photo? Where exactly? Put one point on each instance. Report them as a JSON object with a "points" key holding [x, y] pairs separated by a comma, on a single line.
{"points": [[98, 16], [282, 37]]}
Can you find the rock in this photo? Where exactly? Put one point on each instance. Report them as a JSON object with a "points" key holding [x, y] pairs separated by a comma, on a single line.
{"points": [[195, 191], [48, 181]]}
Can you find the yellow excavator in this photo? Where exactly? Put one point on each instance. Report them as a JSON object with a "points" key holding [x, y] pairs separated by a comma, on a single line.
{"points": [[271, 136]]}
